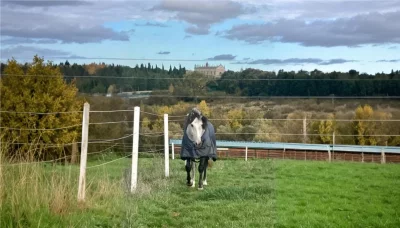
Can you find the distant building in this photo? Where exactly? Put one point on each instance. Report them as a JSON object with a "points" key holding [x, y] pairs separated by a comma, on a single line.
{"points": [[215, 71]]}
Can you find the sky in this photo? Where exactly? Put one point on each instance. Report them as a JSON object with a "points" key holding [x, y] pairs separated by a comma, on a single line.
{"points": [[329, 35]]}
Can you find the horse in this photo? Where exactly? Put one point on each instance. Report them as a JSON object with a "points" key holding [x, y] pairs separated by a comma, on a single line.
{"points": [[198, 142]]}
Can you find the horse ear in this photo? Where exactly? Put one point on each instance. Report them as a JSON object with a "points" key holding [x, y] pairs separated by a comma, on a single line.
{"points": [[204, 120]]}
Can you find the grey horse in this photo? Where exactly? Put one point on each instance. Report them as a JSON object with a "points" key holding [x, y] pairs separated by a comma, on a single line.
{"points": [[198, 142]]}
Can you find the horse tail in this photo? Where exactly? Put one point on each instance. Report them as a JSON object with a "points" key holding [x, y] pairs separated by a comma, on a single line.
{"points": [[210, 163]]}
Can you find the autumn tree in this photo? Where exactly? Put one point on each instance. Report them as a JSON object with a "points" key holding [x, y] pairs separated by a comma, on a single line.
{"points": [[235, 118], [326, 128], [112, 89], [206, 111], [32, 102], [171, 89], [368, 128], [266, 131]]}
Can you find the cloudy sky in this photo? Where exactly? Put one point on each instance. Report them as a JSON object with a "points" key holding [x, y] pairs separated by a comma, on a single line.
{"points": [[271, 35]]}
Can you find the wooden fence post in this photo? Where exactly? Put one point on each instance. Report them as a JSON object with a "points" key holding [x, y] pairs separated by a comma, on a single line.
{"points": [[305, 130], [173, 151], [333, 141], [84, 146], [74, 153], [166, 145], [284, 151], [383, 157], [135, 148], [329, 154], [245, 158]]}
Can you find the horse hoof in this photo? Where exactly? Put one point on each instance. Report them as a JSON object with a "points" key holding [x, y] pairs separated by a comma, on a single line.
{"points": [[204, 182], [193, 184], [200, 188]]}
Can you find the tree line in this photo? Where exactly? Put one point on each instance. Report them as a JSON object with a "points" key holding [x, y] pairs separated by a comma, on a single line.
{"points": [[101, 77], [250, 82]]}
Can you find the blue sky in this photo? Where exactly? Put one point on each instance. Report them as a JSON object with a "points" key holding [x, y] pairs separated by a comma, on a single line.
{"points": [[287, 34]]}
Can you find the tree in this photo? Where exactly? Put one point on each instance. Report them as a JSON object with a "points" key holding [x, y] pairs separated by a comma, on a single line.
{"points": [[326, 129], [204, 108], [235, 118], [112, 89], [145, 141], [171, 89], [367, 130], [266, 131], [41, 90], [353, 73], [192, 85]]}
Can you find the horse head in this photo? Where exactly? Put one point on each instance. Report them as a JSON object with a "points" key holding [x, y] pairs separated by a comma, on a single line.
{"points": [[196, 124]]}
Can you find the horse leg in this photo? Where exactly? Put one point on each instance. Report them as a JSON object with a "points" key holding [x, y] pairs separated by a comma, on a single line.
{"points": [[205, 173], [202, 167], [193, 173], [188, 167]]}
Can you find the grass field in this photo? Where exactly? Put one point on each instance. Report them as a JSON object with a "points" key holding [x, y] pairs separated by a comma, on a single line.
{"points": [[256, 193]]}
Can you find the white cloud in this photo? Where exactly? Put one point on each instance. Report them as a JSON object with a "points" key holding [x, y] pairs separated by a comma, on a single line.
{"points": [[295, 61], [372, 28], [68, 21], [27, 52], [201, 14]]}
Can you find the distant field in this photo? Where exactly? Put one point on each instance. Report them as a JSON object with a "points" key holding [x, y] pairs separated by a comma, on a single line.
{"points": [[256, 193]]}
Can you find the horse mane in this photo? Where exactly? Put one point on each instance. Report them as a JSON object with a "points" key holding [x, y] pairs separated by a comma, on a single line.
{"points": [[193, 114]]}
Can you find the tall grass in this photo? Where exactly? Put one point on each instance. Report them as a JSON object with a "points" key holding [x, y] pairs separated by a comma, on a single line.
{"points": [[32, 191], [40, 194]]}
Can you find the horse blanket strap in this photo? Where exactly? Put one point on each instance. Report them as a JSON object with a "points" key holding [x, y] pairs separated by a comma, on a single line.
{"points": [[207, 148]]}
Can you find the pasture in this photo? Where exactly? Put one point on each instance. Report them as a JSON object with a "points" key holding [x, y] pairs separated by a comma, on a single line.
{"points": [[256, 193]]}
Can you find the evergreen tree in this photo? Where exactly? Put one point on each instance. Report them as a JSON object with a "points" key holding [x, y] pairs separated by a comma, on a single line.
{"points": [[41, 90]]}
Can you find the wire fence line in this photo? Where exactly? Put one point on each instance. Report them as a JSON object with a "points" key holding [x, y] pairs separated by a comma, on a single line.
{"points": [[292, 134], [112, 122], [157, 134], [265, 119], [161, 115], [221, 119], [54, 160], [152, 135], [110, 140], [220, 79], [35, 162], [105, 163], [41, 113], [47, 145], [272, 97], [89, 153], [41, 129], [117, 159], [110, 111]]}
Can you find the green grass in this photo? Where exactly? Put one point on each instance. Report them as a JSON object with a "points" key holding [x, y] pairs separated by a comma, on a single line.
{"points": [[256, 193], [317, 194]]}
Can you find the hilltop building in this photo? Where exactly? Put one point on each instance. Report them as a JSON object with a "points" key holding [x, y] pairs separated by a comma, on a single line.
{"points": [[215, 71]]}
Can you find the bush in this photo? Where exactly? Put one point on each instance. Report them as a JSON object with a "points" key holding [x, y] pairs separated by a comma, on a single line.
{"points": [[40, 90]]}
